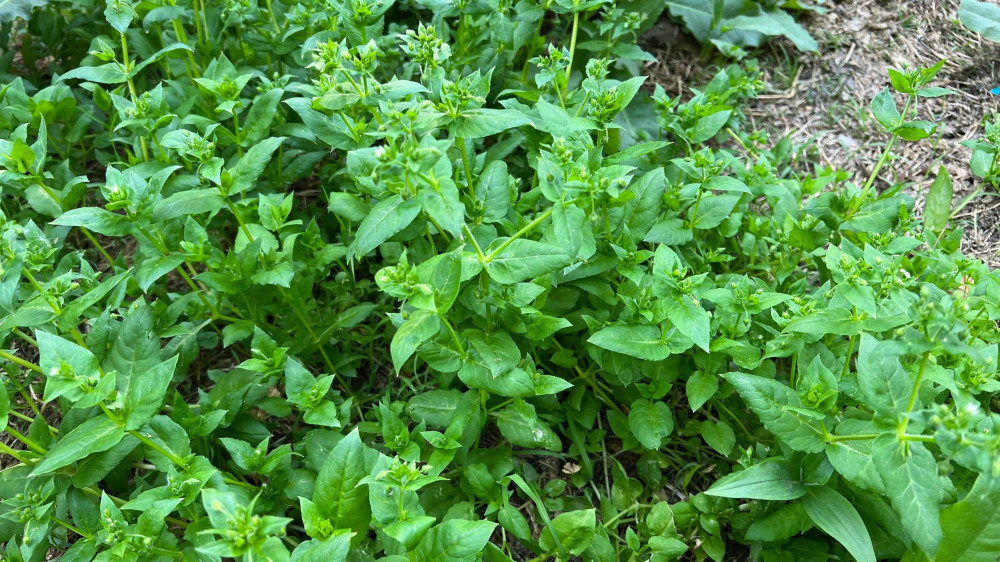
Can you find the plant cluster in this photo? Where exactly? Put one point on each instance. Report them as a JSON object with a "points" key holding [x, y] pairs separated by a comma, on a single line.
{"points": [[420, 280]]}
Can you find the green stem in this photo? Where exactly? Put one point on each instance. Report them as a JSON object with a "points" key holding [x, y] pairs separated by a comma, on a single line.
{"points": [[156, 447], [308, 326], [791, 374], [18, 361], [847, 359], [96, 244], [454, 336], [191, 65], [475, 244], [236, 132], [624, 512], [468, 170], [24, 439], [197, 23], [572, 48], [913, 395], [13, 453], [131, 90], [886, 153], [80, 532], [274, 20], [697, 201], [527, 228], [239, 218], [830, 438], [527, 54]]}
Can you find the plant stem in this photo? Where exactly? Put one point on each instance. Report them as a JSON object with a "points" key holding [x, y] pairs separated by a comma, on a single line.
{"points": [[156, 447], [236, 132], [886, 153], [274, 20], [475, 244], [913, 395], [30, 443], [131, 90], [18, 361], [572, 48], [465, 164], [847, 359], [527, 228], [97, 245], [5, 449]]}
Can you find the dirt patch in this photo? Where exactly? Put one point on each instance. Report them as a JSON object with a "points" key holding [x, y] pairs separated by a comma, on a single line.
{"points": [[823, 100]]}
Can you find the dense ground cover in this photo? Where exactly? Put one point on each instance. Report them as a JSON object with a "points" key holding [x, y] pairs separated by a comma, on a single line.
{"points": [[448, 281]]}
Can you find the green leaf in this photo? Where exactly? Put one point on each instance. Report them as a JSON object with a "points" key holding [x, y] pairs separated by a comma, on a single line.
{"points": [[650, 421], [774, 23], [96, 219], [910, 474], [635, 151], [120, 15], [154, 268], [92, 436], [780, 525], [386, 219], [252, 165], [884, 108], [190, 202], [65, 364], [334, 549], [71, 312], [971, 527], [772, 402], [260, 116], [110, 73], [479, 123], [641, 342], [569, 222], [159, 55], [719, 436], [520, 425], [697, 15], [436, 407], [456, 540], [770, 480], [145, 393], [832, 513], [915, 130], [338, 492], [714, 209], [13, 9], [524, 259], [575, 530], [493, 190], [444, 206], [418, 328], [691, 319], [708, 126], [852, 458], [981, 17], [937, 206], [884, 382]]}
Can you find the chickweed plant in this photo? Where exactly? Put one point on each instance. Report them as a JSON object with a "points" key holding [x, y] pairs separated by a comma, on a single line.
{"points": [[421, 280]]}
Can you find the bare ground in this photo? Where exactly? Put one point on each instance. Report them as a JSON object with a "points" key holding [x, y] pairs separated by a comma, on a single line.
{"points": [[823, 99]]}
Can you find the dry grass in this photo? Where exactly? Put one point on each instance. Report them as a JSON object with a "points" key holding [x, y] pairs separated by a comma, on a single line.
{"points": [[823, 100]]}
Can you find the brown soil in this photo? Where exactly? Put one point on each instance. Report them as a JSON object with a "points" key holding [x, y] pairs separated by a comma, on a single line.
{"points": [[823, 99]]}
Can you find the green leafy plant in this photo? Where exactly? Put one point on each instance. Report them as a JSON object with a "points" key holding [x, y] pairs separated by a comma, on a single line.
{"points": [[981, 17], [732, 26], [416, 281]]}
